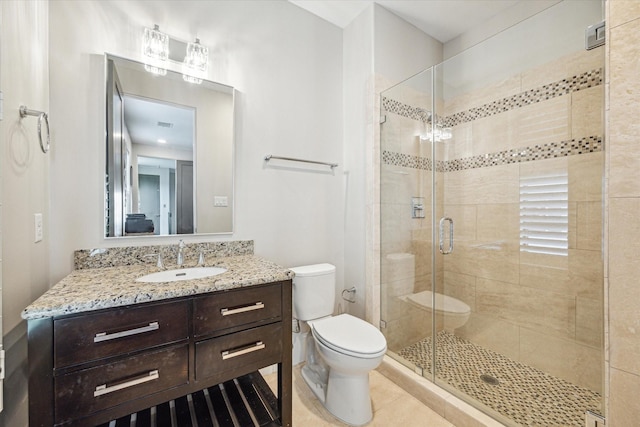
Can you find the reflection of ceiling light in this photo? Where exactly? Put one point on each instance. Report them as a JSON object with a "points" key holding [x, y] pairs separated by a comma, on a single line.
{"points": [[155, 49], [155, 70], [162, 141], [196, 62], [438, 134], [190, 79]]}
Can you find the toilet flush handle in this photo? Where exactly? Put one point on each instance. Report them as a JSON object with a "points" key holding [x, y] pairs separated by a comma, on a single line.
{"points": [[444, 251]]}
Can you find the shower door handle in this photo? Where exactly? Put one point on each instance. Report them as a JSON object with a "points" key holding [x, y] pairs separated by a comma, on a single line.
{"points": [[442, 221]]}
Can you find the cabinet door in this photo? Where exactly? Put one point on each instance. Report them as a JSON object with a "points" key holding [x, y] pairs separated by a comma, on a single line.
{"points": [[234, 309], [84, 392], [115, 332]]}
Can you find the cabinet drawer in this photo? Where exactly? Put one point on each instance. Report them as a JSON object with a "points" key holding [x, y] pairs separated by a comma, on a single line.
{"points": [[115, 332], [84, 392], [234, 309], [251, 349]]}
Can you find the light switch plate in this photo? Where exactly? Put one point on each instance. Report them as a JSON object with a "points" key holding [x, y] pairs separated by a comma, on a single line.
{"points": [[220, 201], [38, 231]]}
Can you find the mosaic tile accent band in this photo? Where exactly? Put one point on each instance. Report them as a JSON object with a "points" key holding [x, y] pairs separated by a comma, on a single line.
{"points": [[552, 90], [415, 113], [591, 144], [523, 394], [406, 160]]}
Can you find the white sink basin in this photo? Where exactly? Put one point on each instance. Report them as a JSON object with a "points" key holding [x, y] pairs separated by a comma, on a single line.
{"points": [[181, 274]]}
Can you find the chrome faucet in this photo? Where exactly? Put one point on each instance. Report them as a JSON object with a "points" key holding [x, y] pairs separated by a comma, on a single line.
{"points": [[181, 246]]}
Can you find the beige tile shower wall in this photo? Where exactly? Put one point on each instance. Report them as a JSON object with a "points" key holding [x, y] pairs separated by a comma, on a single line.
{"points": [[542, 310], [623, 204]]}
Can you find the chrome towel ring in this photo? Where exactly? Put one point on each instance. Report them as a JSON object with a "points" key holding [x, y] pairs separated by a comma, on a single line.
{"points": [[24, 112]]}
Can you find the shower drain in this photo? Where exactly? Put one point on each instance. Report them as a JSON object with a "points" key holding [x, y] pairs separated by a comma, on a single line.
{"points": [[489, 379]]}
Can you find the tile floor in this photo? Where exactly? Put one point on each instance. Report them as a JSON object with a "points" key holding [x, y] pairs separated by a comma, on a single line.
{"points": [[392, 406], [523, 394]]}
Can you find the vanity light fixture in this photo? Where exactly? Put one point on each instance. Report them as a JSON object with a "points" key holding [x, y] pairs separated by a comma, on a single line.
{"points": [[196, 62], [155, 47], [162, 141]]}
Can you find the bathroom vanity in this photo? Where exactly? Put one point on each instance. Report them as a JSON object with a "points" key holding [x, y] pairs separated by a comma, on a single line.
{"points": [[103, 347]]}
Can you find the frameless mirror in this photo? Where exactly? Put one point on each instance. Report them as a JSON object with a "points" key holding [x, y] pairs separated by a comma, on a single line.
{"points": [[169, 153]]}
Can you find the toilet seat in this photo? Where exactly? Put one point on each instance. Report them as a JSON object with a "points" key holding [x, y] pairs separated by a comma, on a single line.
{"points": [[350, 335]]}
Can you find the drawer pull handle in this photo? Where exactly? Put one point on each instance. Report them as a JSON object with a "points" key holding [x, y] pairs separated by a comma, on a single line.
{"points": [[229, 311], [254, 347], [103, 389], [103, 336]]}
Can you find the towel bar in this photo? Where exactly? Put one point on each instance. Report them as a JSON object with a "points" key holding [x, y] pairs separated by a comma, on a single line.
{"points": [[269, 157]]}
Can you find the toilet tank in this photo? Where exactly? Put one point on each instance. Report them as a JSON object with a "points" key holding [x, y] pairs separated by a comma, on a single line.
{"points": [[314, 291]]}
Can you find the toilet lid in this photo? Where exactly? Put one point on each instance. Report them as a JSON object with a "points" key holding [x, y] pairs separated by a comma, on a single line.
{"points": [[350, 335]]}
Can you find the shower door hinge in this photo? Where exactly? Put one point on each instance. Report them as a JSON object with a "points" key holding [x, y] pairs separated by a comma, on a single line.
{"points": [[591, 419], [383, 324]]}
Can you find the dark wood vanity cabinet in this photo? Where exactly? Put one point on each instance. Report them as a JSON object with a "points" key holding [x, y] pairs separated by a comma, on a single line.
{"points": [[90, 368]]}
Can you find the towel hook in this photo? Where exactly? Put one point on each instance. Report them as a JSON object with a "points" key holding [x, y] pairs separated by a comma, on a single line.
{"points": [[24, 112]]}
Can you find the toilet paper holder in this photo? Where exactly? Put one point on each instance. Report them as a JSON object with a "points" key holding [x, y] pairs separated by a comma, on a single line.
{"points": [[351, 294]]}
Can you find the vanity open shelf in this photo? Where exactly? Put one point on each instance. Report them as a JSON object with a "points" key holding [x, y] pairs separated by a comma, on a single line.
{"points": [[243, 401], [190, 358]]}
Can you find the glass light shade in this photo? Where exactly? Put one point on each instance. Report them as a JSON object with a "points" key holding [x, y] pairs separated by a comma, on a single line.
{"points": [[197, 57], [155, 44]]}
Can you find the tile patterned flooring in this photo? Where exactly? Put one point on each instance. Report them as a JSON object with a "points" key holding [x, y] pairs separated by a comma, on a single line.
{"points": [[392, 406], [524, 394]]}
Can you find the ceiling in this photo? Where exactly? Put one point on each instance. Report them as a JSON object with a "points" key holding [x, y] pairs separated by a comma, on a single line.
{"points": [[148, 121], [443, 20]]}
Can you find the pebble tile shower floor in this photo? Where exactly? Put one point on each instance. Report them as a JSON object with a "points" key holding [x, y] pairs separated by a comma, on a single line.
{"points": [[523, 394]]}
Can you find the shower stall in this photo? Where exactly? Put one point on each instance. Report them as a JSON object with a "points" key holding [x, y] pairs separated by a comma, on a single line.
{"points": [[491, 176]]}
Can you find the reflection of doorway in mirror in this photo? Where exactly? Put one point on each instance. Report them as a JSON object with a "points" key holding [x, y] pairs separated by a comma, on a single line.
{"points": [[149, 203], [164, 170]]}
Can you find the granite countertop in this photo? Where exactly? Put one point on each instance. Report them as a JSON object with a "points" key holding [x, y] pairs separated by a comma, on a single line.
{"points": [[98, 288]]}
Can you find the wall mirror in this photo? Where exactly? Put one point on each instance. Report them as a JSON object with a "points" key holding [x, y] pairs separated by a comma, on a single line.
{"points": [[169, 153]]}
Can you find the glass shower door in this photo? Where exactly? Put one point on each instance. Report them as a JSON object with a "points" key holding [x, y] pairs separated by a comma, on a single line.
{"points": [[406, 218], [519, 301]]}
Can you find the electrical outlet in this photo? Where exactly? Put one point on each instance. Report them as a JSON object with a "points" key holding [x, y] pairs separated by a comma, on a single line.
{"points": [[38, 231]]}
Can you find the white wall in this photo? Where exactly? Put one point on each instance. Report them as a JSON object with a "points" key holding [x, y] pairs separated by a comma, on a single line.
{"points": [[24, 79], [287, 67], [358, 101], [402, 50]]}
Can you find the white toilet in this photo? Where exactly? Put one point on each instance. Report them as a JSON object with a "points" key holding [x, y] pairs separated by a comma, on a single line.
{"points": [[348, 347]]}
